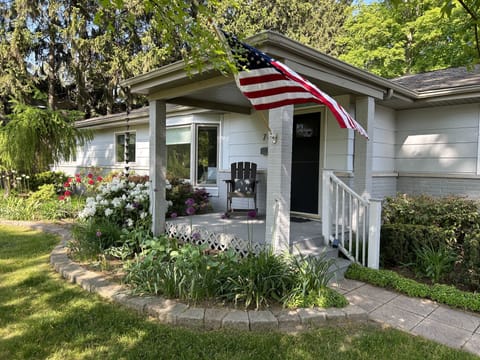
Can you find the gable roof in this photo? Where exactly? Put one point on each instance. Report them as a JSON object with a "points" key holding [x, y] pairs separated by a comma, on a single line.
{"points": [[441, 79], [212, 90]]}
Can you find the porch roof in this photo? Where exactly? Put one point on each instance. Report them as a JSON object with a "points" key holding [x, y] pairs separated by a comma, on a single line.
{"points": [[210, 89]]}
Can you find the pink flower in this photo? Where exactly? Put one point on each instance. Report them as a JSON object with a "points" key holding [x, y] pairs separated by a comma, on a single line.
{"points": [[61, 197], [77, 175], [99, 178], [98, 233], [90, 175], [91, 182], [68, 193], [78, 179], [190, 210], [190, 202], [67, 184]]}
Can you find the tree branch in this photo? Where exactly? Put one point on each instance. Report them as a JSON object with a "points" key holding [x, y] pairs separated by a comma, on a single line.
{"points": [[475, 19]]}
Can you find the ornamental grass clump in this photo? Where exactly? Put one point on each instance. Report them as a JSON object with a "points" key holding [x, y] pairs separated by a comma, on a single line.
{"points": [[193, 273]]}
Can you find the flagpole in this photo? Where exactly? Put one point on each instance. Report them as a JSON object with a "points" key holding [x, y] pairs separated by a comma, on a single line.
{"points": [[224, 42]]}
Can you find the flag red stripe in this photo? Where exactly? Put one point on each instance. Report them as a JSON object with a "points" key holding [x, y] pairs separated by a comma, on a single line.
{"points": [[274, 91], [260, 79]]}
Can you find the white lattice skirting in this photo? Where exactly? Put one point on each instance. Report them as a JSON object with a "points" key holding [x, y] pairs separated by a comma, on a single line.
{"points": [[215, 241]]}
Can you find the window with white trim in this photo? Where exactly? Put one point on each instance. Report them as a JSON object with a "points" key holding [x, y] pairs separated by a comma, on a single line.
{"points": [[123, 152], [193, 158]]}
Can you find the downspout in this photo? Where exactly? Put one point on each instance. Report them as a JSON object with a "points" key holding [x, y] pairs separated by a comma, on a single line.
{"points": [[389, 94]]}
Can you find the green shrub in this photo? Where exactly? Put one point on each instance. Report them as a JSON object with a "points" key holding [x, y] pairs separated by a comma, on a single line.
{"points": [[323, 297], [446, 225], [258, 279], [55, 178], [182, 195], [40, 205], [311, 277], [434, 261], [192, 273], [399, 241], [449, 295], [93, 237], [467, 270]]}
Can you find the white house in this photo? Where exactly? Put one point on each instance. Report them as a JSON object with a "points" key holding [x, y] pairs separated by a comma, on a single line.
{"points": [[424, 136]]}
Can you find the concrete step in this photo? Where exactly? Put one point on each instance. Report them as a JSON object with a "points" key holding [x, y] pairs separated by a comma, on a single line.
{"points": [[314, 247]]}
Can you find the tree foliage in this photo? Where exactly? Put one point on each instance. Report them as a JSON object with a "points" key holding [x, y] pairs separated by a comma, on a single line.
{"points": [[76, 53], [397, 38], [317, 23], [35, 138]]}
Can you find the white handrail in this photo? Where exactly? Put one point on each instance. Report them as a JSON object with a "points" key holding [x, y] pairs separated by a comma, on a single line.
{"points": [[350, 221]]}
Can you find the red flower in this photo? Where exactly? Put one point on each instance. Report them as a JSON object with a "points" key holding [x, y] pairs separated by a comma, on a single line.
{"points": [[99, 178], [69, 180], [90, 175], [68, 193], [61, 197], [91, 182], [78, 179], [67, 184]]}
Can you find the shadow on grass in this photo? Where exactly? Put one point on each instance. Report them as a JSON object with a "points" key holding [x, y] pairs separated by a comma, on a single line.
{"points": [[41, 316]]}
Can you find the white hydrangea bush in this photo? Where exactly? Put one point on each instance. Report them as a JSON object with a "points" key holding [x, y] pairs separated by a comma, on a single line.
{"points": [[121, 201]]}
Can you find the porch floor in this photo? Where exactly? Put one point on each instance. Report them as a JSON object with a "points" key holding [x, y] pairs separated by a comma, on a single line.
{"points": [[239, 224]]}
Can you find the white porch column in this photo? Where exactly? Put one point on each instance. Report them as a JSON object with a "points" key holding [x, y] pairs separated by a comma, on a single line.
{"points": [[279, 178], [158, 165], [363, 162]]}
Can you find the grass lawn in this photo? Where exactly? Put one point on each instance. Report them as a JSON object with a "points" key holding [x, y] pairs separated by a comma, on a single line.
{"points": [[44, 317]]}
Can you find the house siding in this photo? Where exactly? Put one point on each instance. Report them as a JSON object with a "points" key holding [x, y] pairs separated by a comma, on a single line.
{"points": [[383, 138], [338, 142], [242, 138], [437, 186], [100, 152], [441, 140]]}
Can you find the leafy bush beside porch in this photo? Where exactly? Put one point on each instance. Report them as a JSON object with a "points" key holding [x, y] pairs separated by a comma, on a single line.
{"points": [[435, 238]]}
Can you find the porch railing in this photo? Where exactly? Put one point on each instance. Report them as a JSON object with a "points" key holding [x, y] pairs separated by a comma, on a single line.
{"points": [[350, 221]]}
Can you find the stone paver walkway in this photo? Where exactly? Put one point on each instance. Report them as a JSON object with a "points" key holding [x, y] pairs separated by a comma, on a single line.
{"points": [[454, 328], [426, 318]]}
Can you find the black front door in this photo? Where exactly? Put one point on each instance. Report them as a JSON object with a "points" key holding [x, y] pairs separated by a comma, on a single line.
{"points": [[305, 163]]}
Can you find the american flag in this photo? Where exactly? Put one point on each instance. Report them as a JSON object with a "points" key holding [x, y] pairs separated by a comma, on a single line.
{"points": [[268, 84]]}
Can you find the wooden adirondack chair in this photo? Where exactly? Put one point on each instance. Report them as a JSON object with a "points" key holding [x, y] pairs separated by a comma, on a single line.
{"points": [[242, 183]]}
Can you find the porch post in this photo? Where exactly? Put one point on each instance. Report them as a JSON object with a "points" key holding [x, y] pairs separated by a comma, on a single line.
{"points": [[363, 162], [158, 162], [279, 178]]}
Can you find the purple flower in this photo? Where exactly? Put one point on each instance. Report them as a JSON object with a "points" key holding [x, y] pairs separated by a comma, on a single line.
{"points": [[190, 210], [196, 236], [173, 215], [190, 202], [98, 233], [252, 214]]}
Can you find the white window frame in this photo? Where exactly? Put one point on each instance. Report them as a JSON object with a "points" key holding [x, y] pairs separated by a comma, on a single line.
{"points": [[194, 126], [115, 147], [194, 170]]}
